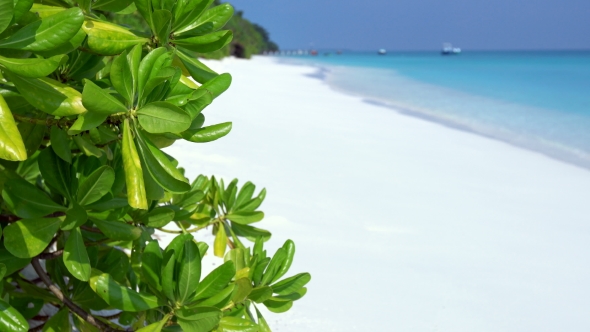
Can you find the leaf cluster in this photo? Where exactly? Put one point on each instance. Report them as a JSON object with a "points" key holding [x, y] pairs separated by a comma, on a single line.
{"points": [[86, 107]]}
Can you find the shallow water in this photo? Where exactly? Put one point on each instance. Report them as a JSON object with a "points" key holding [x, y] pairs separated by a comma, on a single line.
{"points": [[538, 100]]}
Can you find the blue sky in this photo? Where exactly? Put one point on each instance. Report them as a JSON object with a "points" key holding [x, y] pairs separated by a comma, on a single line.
{"points": [[423, 24]]}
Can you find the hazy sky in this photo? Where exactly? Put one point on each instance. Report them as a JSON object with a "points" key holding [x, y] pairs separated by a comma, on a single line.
{"points": [[423, 24]]}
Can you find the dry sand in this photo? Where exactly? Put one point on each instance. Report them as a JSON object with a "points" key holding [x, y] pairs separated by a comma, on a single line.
{"points": [[404, 224]]}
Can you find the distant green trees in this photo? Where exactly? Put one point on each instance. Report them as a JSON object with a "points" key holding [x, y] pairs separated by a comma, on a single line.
{"points": [[249, 39]]}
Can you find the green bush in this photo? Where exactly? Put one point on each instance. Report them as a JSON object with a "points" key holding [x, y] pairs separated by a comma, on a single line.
{"points": [[86, 105]]}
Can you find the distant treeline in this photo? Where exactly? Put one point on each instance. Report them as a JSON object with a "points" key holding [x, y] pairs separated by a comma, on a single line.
{"points": [[249, 38]]}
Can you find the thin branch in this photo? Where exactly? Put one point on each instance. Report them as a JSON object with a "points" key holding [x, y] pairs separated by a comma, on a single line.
{"points": [[71, 305], [51, 255], [91, 229]]}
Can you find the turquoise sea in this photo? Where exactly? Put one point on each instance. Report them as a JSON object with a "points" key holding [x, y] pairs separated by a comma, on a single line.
{"points": [[536, 100]]}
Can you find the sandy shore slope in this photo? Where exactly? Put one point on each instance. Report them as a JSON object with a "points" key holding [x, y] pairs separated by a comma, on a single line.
{"points": [[404, 224]]}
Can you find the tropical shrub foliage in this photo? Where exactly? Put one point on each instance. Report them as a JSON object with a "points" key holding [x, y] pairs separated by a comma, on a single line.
{"points": [[86, 107]]}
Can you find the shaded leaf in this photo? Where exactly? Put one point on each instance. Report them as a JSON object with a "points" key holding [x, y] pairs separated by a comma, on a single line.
{"points": [[117, 230], [27, 201], [100, 101], [29, 237], [95, 186], [119, 296]]}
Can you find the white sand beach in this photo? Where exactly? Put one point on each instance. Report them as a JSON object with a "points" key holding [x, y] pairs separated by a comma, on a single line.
{"points": [[404, 224]]}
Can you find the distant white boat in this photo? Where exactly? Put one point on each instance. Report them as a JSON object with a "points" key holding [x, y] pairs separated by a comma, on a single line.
{"points": [[448, 49], [382, 52]]}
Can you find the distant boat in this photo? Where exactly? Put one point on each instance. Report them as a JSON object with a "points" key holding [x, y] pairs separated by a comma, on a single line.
{"points": [[448, 49], [382, 52], [313, 52]]}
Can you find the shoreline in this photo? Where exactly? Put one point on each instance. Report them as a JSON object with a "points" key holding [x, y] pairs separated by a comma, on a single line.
{"points": [[558, 153], [407, 224]]}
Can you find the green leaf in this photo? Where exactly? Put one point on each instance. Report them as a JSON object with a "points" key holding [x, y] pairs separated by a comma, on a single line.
{"points": [[187, 11], [163, 117], [207, 43], [146, 66], [87, 121], [111, 5], [95, 186], [278, 307], [32, 134], [76, 216], [75, 256], [212, 20], [244, 287], [119, 296], [110, 39], [260, 294], [117, 230], [208, 134], [168, 267], [49, 95], [151, 264], [29, 237], [100, 101], [122, 77], [199, 71], [216, 281], [67, 47], [292, 284], [33, 67], [27, 201], [217, 85], [156, 327], [161, 168], [133, 172], [220, 241], [60, 144], [48, 33], [21, 7], [158, 217], [200, 319], [11, 320], [134, 59], [220, 299], [6, 13], [262, 324], [190, 272], [56, 172], [273, 267], [289, 247], [12, 263], [162, 25], [60, 322], [251, 233], [235, 324], [244, 217], [12, 146], [87, 146]]}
